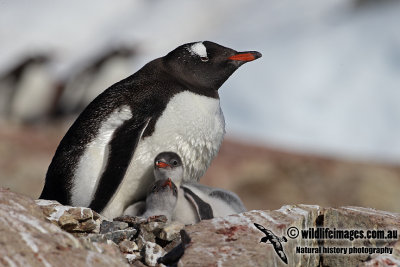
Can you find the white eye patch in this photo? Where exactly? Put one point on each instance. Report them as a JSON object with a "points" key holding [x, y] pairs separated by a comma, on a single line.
{"points": [[198, 49]]}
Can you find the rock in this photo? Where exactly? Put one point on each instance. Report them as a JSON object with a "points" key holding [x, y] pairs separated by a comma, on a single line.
{"points": [[115, 236], [71, 219], [107, 226], [120, 235], [361, 219], [143, 238], [95, 238], [152, 253], [171, 231], [131, 220], [28, 239], [127, 246], [235, 241], [67, 222], [174, 255], [134, 258], [70, 224], [381, 261], [86, 226], [83, 214], [152, 226], [153, 222]]}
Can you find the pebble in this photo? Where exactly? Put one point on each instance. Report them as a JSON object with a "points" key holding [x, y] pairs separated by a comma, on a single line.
{"points": [[152, 252], [171, 231], [127, 246], [107, 226]]}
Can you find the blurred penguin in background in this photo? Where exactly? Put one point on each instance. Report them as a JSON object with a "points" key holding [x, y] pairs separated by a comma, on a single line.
{"points": [[27, 90], [88, 82]]}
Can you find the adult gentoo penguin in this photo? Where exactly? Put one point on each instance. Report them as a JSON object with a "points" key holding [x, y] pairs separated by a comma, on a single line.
{"points": [[105, 159]]}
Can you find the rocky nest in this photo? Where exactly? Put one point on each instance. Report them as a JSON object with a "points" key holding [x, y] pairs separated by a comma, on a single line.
{"points": [[46, 233]]}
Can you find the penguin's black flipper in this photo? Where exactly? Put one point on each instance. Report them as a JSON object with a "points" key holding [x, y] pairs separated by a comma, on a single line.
{"points": [[204, 210], [121, 148]]}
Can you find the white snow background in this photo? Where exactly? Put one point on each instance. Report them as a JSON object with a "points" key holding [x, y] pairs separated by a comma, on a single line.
{"points": [[328, 81]]}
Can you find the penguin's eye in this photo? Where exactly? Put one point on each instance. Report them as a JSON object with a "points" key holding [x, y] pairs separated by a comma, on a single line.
{"points": [[204, 59]]}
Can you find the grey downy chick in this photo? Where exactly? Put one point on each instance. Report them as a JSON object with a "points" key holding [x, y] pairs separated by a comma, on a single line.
{"points": [[167, 165], [161, 199], [188, 210], [195, 201]]}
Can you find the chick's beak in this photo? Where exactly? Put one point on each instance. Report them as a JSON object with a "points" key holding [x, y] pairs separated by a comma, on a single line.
{"points": [[168, 182]]}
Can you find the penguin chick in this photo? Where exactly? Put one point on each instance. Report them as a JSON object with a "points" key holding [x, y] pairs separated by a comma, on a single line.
{"points": [[195, 201], [161, 199], [168, 165]]}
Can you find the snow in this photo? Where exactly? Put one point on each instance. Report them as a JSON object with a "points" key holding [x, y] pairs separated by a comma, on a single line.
{"points": [[45, 202], [328, 81], [198, 49], [59, 211]]}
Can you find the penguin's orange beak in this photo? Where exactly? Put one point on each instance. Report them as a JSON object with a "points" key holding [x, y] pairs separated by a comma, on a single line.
{"points": [[161, 164], [168, 182], [246, 56]]}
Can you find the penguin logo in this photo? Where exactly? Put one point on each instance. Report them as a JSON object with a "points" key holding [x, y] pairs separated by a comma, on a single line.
{"points": [[274, 240]]}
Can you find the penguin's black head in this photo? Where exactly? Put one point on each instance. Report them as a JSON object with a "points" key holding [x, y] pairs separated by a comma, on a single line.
{"points": [[167, 160], [205, 65]]}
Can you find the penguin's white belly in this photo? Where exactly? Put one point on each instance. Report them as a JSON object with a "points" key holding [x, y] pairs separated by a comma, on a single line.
{"points": [[192, 126]]}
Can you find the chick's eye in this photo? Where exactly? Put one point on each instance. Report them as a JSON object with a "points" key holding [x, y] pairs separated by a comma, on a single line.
{"points": [[204, 59]]}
